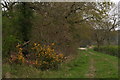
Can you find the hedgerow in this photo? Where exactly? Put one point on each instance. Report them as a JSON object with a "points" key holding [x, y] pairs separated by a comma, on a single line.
{"points": [[111, 50]]}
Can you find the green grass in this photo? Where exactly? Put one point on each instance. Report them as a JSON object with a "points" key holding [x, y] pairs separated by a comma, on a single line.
{"points": [[106, 65], [87, 64]]}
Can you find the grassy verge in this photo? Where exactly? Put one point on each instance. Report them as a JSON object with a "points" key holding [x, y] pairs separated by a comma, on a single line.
{"points": [[86, 64]]}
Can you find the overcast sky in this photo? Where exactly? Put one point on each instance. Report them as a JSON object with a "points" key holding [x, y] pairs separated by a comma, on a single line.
{"points": [[116, 1]]}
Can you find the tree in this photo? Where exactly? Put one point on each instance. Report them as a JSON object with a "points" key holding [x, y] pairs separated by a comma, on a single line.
{"points": [[25, 15], [17, 24], [102, 24]]}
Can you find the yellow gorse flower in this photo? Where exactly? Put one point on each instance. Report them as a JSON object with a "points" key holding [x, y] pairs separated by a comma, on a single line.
{"points": [[18, 45], [61, 55], [35, 44], [38, 44], [53, 44], [36, 62], [23, 59]]}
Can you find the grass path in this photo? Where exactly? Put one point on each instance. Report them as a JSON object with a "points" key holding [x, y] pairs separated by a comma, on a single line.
{"points": [[87, 64], [92, 69], [106, 65]]}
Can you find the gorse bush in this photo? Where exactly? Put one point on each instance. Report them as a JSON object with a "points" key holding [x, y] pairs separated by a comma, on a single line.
{"points": [[112, 50], [42, 57]]}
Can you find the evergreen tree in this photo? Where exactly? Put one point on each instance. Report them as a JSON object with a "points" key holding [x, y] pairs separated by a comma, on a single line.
{"points": [[25, 15]]}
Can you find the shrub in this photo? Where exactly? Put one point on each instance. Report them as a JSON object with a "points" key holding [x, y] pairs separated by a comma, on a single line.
{"points": [[112, 50], [9, 44], [42, 57]]}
